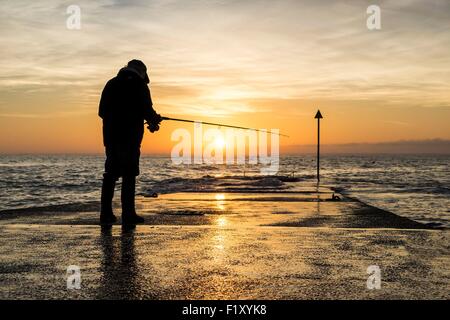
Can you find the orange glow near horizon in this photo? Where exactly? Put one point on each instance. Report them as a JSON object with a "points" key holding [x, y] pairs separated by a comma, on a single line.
{"points": [[82, 134]]}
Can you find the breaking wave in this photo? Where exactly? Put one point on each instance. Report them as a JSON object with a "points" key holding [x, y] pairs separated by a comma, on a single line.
{"points": [[236, 183]]}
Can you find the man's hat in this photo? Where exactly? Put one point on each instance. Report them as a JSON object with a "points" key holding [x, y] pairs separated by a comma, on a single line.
{"points": [[139, 66]]}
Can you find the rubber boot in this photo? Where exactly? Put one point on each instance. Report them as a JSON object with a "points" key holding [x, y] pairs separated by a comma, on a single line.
{"points": [[106, 212], [129, 215]]}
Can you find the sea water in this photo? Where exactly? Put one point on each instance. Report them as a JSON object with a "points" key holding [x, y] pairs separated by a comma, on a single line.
{"points": [[414, 186]]}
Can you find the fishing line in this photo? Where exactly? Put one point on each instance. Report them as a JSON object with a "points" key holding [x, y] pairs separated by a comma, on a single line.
{"points": [[222, 125]]}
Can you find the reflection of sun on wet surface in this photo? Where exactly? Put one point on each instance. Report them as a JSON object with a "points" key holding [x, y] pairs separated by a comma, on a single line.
{"points": [[218, 241], [218, 246], [220, 197], [221, 221]]}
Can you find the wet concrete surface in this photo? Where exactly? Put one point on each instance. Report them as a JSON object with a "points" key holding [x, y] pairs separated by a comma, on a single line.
{"points": [[224, 246]]}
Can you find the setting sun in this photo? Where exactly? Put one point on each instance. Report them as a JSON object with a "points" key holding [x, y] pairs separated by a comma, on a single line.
{"points": [[219, 143], [220, 196]]}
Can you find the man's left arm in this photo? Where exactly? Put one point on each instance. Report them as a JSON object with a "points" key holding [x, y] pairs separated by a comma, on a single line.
{"points": [[150, 115]]}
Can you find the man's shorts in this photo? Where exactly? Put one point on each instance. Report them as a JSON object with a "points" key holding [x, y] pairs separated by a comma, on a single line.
{"points": [[122, 160]]}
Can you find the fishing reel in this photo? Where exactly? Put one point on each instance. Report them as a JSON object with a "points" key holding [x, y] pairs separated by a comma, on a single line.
{"points": [[154, 124], [152, 127]]}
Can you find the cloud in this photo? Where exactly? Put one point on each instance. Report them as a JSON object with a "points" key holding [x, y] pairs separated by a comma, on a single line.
{"points": [[208, 53]]}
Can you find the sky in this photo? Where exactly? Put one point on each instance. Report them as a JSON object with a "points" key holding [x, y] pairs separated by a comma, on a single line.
{"points": [[256, 63]]}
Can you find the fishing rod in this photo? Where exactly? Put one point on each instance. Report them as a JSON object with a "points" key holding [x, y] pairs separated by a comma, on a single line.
{"points": [[222, 125]]}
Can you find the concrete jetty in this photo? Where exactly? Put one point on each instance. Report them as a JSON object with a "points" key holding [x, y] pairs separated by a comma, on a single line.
{"points": [[298, 245]]}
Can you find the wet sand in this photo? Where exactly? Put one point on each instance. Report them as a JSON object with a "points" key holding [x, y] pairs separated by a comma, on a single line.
{"points": [[224, 246]]}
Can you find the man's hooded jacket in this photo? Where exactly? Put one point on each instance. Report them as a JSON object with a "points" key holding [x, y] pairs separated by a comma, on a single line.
{"points": [[124, 105]]}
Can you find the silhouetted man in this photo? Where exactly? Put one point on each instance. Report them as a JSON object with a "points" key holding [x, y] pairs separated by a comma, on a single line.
{"points": [[124, 106]]}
